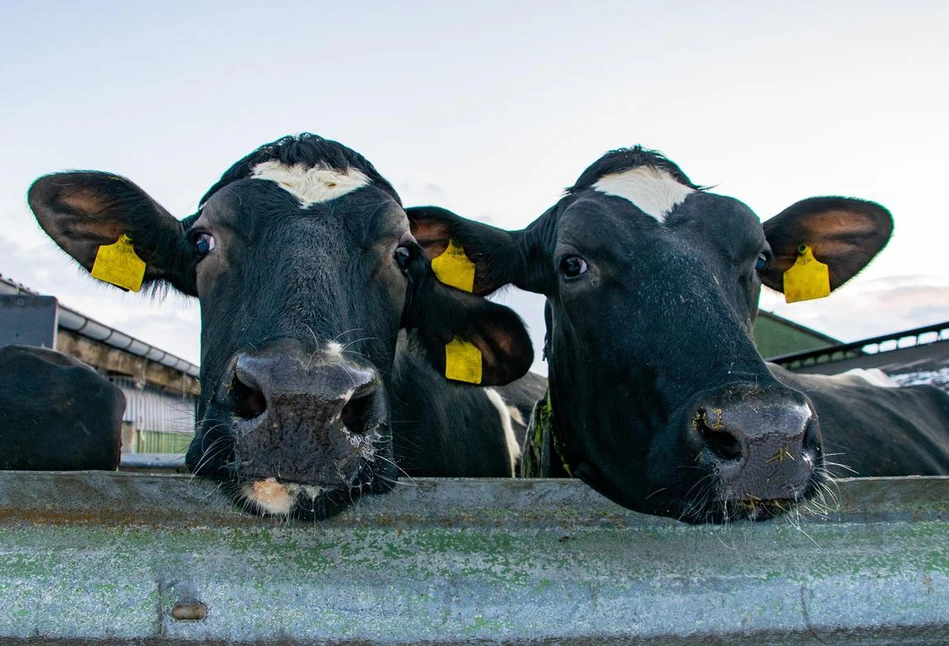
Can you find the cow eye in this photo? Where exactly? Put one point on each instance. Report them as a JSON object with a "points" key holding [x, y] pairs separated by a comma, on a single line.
{"points": [[203, 243], [573, 266], [762, 261], [404, 256]]}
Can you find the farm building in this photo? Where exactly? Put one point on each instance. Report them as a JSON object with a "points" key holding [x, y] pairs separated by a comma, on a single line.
{"points": [[917, 356], [161, 390], [776, 336]]}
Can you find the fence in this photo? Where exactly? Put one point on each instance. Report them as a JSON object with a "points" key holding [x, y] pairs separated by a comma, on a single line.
{"points": [[119, 558], [159, 421]]}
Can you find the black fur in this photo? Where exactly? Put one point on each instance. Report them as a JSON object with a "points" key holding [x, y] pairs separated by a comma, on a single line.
{"points": [[56, 413], [283, 282], [660, 398]]}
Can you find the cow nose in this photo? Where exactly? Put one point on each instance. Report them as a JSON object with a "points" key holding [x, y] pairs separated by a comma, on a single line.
{"points": [[341, 388], [762, 444], [303, 418]]}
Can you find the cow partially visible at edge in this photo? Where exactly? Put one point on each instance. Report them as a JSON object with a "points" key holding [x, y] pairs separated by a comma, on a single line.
{"points": [[56, 413], [658, 397], [324, 331]]}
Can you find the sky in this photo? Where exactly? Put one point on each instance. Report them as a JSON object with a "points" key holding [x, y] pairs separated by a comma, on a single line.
{"points": [[489, 109]]}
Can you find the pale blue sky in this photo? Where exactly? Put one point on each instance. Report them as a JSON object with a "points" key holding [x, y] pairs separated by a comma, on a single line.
{"points": [[490, 110]]}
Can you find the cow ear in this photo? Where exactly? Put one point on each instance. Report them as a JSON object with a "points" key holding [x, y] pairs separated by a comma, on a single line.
{"points": [[466, 254], [843, 233], [84, 212], [465, 337]]}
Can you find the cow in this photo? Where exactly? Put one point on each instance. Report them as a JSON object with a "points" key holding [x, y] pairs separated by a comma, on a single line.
{"points": [[56, 413], [326, 337], [658, 398]]}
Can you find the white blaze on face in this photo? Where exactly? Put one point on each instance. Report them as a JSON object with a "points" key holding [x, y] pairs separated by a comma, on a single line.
{"points": [[655, 192], [513, 448], [311, 184]]}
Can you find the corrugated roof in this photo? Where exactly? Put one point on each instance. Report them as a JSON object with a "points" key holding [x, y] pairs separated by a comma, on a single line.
{"points": [[70, 319]]}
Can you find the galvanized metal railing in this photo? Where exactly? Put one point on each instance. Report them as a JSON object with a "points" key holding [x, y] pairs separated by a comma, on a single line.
{"points": [[117, 558], [876, 345]]}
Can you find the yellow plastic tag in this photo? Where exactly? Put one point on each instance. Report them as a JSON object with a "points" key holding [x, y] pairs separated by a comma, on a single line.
{"points": [[119, 264], [808, 278], [463, 361], [453, 268]]}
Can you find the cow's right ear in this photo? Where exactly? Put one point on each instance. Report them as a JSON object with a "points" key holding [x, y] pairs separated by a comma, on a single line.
{"points": [[842, 232], [83, 212], [469, 255]]}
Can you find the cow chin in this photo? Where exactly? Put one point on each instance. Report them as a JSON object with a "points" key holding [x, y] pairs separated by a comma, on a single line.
{"points": [[707, 500], [366, 471]]}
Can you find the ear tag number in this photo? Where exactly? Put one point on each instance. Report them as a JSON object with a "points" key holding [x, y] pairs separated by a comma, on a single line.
{"points": [[453, 268], [463, 361], [119, 264], [807, 279]]}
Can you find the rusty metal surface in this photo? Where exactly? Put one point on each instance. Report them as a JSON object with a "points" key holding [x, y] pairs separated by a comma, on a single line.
{"points": [[130, 558]]}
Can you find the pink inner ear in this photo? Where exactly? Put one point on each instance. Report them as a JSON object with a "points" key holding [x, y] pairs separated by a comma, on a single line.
{"points": [[840, 222], [431, 235]]}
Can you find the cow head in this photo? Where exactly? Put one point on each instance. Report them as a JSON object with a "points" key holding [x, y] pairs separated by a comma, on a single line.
{"points": [[659, 398], [305, 269]]}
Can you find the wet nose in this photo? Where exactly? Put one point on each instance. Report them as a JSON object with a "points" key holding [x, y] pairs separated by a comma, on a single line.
{"points": [[761, 443], [302, 419]]}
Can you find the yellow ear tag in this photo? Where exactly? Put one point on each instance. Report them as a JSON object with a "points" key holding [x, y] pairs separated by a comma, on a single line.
{"points": [[463, 361], [119, 264], [808, 278], [453, 268]]}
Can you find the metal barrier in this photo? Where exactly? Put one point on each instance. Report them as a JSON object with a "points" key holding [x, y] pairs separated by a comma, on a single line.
{"points": [[873, 346], [117, 557]]}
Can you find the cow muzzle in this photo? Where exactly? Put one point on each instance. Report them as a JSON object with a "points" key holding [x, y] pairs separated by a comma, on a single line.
{"points": [[762, 447], [309, 419]]}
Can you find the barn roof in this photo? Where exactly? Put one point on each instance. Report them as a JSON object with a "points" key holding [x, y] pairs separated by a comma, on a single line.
{"points": [[81, 324]]}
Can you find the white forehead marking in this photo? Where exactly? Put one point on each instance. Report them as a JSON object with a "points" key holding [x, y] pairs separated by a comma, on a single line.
{"points": [[311, 184], [513, 448], [654, 191]]}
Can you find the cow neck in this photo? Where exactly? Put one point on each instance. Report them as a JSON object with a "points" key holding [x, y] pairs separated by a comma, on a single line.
{"points": [[543, 444]]}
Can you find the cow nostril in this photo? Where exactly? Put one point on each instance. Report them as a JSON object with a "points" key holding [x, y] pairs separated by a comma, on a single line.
{"points": [[249, 402], [719, 439], [360, 413]]}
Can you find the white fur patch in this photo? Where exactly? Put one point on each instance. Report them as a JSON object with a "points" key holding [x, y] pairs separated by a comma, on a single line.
{"points": [[334, 350], [276, 498], [311, 184], [655, 192], [271, 496], [513, 448], [873, 376], [516, 415]]}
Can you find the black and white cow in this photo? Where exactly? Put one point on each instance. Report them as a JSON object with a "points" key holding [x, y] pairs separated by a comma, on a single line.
{"points": [[56, 413], [306, 271], [658, 397]]}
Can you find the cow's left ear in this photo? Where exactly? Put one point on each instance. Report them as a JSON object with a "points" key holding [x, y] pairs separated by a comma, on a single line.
{"points": [[843, 233], [465, 337]]}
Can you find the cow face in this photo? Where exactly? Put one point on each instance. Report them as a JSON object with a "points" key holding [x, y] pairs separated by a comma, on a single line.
{"points": [[659, 398], [305, 269]]}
